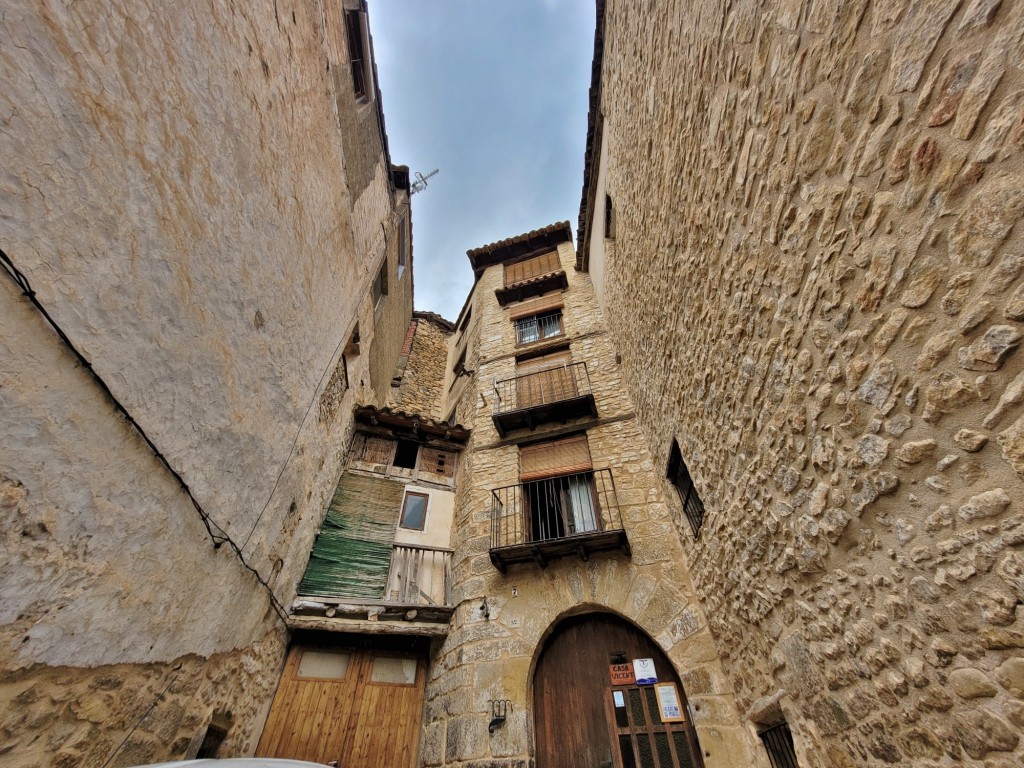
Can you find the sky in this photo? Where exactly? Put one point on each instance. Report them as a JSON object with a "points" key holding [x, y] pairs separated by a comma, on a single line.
{"points": [[494, 93]]}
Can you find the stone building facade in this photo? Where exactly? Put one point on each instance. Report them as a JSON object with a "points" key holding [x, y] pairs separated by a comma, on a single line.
{"points": [[805, 221], [236, 300], [515, 588]]}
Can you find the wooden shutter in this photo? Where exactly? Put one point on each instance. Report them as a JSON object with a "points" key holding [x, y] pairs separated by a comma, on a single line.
{"points": [[559, 457], [544, 264], [537, 306], [555, 360], [544, 380]]}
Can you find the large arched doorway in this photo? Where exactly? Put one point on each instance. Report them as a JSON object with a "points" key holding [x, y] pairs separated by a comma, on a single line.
{"points": [[584, 721]]}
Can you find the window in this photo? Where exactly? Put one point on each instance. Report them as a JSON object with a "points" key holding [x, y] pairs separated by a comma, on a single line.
{"points": [[460, 364], [538, 327], [355, 27], [405, 454], [679, 476], [414, 511], [380, 283], [609, 218], [465, 321], [403, 244], [778, 742], [559, 498]]}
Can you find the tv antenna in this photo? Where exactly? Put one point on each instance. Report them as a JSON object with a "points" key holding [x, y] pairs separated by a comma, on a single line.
{"points": [[421, 181]]}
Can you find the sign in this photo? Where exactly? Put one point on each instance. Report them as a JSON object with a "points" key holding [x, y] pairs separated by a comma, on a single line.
{"points": [[668, 703], [643, 670], [622, 674]]}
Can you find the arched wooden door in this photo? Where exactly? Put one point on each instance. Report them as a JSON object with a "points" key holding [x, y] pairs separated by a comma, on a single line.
{"points": [[583, 721]]}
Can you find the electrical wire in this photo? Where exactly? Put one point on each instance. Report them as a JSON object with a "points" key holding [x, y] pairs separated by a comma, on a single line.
{"points": [[144, 715], [218, 536]]}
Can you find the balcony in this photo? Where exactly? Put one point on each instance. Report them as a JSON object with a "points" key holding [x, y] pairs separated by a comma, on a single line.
{"points": [[555, 394], [415, 594], [541, 520]]}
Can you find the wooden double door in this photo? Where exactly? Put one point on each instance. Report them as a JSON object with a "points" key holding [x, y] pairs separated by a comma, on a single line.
{"points": [[360, 707], [583, 721]]}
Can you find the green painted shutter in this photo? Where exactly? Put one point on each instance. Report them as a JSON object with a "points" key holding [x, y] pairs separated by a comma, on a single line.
{"points": [[352, 553]]}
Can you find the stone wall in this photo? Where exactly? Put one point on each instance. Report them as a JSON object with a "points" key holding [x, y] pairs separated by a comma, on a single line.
{"points": [[175, 190], [816, 275], [492, 654], [421, 381]]}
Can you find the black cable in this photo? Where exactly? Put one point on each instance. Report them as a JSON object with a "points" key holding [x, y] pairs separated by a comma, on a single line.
{"points": [[144, 714], [217, 534]]}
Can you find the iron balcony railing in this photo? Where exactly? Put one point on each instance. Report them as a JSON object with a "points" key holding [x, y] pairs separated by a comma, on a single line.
{"points": [[420, 576], [531, 390], [556, 509]]}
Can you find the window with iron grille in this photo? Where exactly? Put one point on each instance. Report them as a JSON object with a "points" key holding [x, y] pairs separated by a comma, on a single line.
{"points": [[679, 476], [778, 742], [538, 327], [354, 22]]}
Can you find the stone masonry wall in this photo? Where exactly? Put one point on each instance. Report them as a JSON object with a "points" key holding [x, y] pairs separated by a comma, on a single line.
{"points": [[174, 187], [493, 656], [817, 282], [422, 384]]}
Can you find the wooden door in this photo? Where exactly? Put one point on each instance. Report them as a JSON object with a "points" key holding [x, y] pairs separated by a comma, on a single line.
{"points": [[359, 707], [572, 685]]}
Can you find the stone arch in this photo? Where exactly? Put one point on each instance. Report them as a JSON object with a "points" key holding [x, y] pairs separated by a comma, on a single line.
{"points": [[572, 700]]}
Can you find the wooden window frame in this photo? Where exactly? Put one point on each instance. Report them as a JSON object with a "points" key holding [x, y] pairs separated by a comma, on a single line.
{"points": [[679, 475], [380, 284], [356, 37], [405, 503]]}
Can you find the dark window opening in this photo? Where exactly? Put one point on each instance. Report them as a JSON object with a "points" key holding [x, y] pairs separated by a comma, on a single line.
{"points": [[414, 511], [405, 455], [460, 364], [778, 742], [452, 416], [609, 218], [380, 283], [212, 741], [356, 52], [465, 321], [679, 476]]}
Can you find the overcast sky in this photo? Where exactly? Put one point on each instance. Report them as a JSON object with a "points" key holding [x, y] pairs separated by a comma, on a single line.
{"points": [[494, 94]]}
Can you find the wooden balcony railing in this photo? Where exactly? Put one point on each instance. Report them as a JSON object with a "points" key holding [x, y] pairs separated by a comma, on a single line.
{"points": [[420, 576], [543, 519], [558, 393]]}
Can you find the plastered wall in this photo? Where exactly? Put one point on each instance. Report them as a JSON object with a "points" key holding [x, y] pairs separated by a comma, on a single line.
{"points": [[816, 276], [175, 189]]}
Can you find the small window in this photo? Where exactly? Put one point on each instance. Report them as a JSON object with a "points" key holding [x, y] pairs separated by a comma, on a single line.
{"points": [[387, 669], [355, 27], [679, 476], [405, 454], [323, 665], [452, 417], [414, 511], [778, 742], [460, 364], [380, 283], [609, 218], [538, 327], [403, 244], [465, 321]]}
